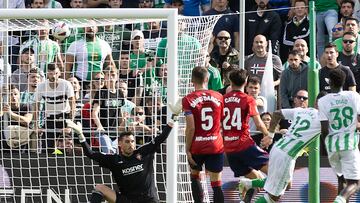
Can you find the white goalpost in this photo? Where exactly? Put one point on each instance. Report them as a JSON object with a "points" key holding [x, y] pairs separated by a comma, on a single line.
{"points": [[42, 177]]}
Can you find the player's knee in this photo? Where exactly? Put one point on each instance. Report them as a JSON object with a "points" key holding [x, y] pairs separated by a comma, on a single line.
{"points": [[215, 177]]}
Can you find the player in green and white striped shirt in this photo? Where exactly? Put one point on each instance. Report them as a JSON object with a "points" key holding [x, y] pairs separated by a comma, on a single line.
{"points": [[304, 129], [339, 113]]}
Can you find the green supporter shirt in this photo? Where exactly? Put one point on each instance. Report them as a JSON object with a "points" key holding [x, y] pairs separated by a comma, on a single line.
{"points": [[339, 45], [215, 82], [76, 34], [138, 61], [325, 5], [189, 51]]}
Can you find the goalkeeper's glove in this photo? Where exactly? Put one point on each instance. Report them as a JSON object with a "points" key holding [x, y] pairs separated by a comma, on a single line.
{"points": [[77, 129], [176, 108]]}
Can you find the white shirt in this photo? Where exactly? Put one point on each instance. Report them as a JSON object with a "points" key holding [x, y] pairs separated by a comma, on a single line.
{"points": [[13, 3], [53, 4], [56, 100]]}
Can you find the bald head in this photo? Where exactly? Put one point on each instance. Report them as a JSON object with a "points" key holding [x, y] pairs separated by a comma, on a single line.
{"points": [[301, 46], [259, 45]]}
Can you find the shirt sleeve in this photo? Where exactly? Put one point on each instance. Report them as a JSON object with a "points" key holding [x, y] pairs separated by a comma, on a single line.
{"points": [[72, 49], [322, 111], [288, 113], [69, 90], [155, 143], [102, 159], [186, 105]]}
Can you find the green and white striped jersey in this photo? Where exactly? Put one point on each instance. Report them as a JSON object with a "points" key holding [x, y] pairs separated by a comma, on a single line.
{"points": [[89, 57], [341, 110], [304, 128]]}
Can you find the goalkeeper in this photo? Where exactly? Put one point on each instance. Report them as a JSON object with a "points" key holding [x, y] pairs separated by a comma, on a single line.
{"points": [[132, 168]]}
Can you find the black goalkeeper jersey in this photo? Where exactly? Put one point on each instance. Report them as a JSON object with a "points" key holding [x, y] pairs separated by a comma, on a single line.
{"points": [[134, 175]]}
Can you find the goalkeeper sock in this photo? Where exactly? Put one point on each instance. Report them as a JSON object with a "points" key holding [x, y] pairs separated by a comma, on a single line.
{"points": [[197, 191], [96, 197], [340, 199], [258, 182], [218, 193]]}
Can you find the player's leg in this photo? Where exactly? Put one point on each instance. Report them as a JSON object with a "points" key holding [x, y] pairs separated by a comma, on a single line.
{"points": [[350, 165], [103, 192], [196, 188], [214, 165]]}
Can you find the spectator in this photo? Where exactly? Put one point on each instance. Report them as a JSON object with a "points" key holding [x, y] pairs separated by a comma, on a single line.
{"points": [[226, 80], [17, 134], [253, 89], [296, 28], [79, 51], [13, 4], [128, 106], [263, 23], [37, 3], [115, 3], [351, 25], [52, 4], [106, 111], [28, 96], [229, 23], [204, 142], [255, 63], [348, 56], [154, 34], [19, 76], [337, 31], [64, 145], [191, 7], [326, 18], [293, 79], [146, 3], [215, 81], [142, 61], [282, 7], [46, 50], [137, 124], [346, 10], [96, 3], [161, 82], [178, 4], [223, 55], [135, 84], [78, 98], [77, 3], [331, 56], [59, 105]]}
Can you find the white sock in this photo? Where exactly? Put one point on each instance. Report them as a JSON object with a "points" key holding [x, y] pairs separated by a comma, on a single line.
{"points": [[340, 199]]}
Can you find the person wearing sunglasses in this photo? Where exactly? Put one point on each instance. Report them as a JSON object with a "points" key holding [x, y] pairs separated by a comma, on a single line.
{"points": [[331, 63], [337, 31], [348, 56], [350, 25]]}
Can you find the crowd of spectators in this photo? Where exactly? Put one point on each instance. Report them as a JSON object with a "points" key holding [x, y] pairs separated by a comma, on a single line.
{"points": [[113, 78]]}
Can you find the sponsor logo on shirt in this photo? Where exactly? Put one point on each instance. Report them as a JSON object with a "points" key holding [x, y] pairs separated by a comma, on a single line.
{"points": [[232, 138], [201, 138], [132, 170]]}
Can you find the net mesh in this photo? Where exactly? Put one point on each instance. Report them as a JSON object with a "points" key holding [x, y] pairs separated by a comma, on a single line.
{"points": [[51, 158]]}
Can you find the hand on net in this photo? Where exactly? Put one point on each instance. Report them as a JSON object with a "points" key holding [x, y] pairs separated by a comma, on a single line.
{"points": [[77, 129]]}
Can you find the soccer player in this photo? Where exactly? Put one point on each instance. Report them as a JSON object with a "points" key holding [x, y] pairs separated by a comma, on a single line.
{"points": [[339, 113], [244, 156], [303, 130], [204, 144], [132, 168]]}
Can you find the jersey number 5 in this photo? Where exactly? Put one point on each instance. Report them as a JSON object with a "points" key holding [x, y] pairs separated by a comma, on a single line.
{"points": [[235, 119], [207, 121]]}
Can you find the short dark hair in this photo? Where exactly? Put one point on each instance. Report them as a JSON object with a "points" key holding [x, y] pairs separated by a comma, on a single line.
{"points": [[198, 74], [350, 33], [337, 78], [12, 87], [351, 18], [238, 76], [348, 1], [254, 80], [52, 66], [265, 113], [125, 134], [110, 69], [294, 53], [331, 45], [305, 2]]}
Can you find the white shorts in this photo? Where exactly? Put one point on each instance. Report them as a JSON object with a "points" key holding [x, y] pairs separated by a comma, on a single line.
{"points": [[280, 173], [346, 163]]}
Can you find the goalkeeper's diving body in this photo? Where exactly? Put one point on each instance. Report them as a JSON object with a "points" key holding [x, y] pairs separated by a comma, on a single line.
{"points": [[132, 168]]}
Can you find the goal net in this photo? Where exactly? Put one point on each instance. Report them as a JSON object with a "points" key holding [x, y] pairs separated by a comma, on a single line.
{"points": [[117, 72]]}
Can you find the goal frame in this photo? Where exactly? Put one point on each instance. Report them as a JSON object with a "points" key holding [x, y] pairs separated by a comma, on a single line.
{"points": [[172, 32]]}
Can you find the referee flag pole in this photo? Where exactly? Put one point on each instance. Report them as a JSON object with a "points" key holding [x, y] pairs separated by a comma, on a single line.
{"points": [[313, 88]]}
